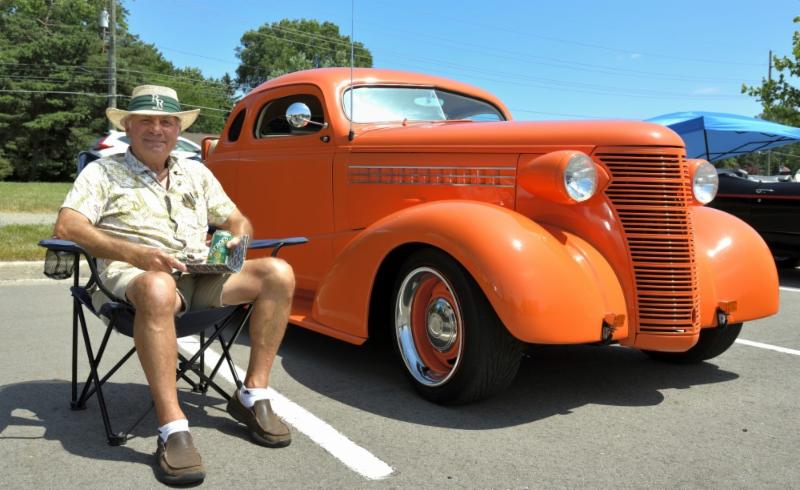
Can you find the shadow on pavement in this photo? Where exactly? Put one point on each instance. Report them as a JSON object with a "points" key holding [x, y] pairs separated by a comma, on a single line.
{"points": [[789, 277], [45, 404], [552, 380]]}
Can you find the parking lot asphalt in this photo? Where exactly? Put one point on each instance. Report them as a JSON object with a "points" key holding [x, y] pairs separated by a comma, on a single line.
{"points": [[576, 417]]}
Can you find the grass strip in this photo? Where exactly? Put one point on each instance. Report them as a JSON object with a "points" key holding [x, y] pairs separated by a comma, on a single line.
{"points": [[21, 242], [32, 197]]}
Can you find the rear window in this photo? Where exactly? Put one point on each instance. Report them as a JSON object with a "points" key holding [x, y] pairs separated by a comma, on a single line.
{"points": [[236, 126]]}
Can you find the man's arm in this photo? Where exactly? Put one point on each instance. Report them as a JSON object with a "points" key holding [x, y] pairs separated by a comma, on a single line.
{"points": [[72, 225]]}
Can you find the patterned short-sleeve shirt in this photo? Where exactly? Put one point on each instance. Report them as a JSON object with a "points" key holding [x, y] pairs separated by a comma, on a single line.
{"points": [[122, 197]]}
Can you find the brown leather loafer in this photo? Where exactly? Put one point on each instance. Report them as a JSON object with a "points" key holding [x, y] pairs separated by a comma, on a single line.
{"points": [[179, 462], [265, 427]]}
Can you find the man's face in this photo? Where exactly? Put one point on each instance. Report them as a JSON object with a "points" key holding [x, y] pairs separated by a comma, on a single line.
{"points": [[152, 137]]}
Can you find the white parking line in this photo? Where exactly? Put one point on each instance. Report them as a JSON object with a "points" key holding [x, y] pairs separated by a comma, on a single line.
{"points": [[787, 288], [768, 347], [338, 445]]}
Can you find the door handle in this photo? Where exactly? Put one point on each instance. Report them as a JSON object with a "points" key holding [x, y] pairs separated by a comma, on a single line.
{"points": [[764, 191]]}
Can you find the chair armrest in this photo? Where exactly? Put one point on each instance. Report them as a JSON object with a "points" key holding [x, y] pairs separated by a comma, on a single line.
{"points": [[276, 243], [62, 246]]}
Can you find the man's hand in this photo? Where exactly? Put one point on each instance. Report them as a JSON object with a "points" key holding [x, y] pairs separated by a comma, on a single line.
{"points": [[239, 226], [154, 259], [233, 242]]}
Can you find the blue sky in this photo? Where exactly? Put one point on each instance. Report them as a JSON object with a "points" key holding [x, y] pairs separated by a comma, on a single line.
{"points": [[563, 59]]}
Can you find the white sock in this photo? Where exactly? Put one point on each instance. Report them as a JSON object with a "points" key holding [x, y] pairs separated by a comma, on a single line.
{"points": [[179, 425], [249, 396]]}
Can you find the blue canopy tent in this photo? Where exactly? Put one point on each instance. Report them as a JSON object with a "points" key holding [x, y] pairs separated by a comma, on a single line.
{"points": [[716, 136]]}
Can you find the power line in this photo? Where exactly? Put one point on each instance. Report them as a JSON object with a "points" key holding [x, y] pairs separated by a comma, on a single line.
{"points": [[133, 79], [574, 65], [98, 68], [92, 94], [528, 33], [562, 86]]}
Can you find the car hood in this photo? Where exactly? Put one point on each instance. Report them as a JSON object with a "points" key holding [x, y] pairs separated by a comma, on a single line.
{"points": [[514, 136]]}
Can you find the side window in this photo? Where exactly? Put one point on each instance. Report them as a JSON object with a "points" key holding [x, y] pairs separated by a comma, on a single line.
{"points": [[236, 126], [272, 121]]}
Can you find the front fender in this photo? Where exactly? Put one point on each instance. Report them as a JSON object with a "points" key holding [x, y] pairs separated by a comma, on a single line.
{"points": [[733, 264], [546, 285]]}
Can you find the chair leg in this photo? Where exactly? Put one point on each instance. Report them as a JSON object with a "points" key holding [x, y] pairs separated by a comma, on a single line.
{"points": [[73, 404], [226, 354], [114, 439], [202, 387], [206, 381]]}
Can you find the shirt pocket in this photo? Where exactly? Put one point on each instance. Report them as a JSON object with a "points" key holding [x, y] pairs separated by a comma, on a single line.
{"points": [[191, 211]]}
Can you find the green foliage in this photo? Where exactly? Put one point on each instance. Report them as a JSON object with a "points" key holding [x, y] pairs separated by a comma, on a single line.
{"points": [[780, 102], [54, 77], [290, 45], [5, 167]]}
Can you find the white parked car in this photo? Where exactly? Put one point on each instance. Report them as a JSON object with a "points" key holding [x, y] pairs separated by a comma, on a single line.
{"points": [[117, 142]]}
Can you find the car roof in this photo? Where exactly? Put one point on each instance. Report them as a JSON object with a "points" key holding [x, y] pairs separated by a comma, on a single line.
{"points": [[335, 79]]}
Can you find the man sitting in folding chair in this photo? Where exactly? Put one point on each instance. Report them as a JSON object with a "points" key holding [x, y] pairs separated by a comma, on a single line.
{"points": [[144, 214]]}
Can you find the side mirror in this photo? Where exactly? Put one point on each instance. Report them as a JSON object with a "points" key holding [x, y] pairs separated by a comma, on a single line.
{"points": [[299, 116], [207, 146]]}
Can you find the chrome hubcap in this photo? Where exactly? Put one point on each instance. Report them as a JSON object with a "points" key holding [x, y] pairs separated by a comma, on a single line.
{"points": [[428, 327], [442, 324]]}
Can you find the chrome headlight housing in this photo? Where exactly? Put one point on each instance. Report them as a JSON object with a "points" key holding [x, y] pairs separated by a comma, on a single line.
{"points": [[705, 183], [580, 177]]}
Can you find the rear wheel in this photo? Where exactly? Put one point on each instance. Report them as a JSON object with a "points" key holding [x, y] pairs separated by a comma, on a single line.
{"points": [[712, 342], [453, 346]]}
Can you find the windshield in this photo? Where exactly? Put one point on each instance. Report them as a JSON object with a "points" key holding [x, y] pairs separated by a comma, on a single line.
{"points": [[384, 104]]}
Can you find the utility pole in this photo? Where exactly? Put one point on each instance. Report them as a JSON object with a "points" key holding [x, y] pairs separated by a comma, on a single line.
{"points": [[112, 60], [768, 101]]}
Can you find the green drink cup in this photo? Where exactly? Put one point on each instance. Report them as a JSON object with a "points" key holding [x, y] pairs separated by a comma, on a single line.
{"points": [[218, 253]]}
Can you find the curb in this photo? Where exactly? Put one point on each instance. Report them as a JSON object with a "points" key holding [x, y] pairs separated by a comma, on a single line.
{"points": [[30, 270]]}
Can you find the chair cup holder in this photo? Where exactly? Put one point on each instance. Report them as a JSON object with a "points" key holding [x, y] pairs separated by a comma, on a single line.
{"points": [[59, 264]]}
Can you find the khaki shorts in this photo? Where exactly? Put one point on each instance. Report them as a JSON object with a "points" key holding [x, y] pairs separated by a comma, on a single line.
{"points": [[197, 291]]}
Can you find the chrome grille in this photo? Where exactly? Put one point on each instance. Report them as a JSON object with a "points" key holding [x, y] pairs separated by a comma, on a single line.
{"points": [[651, 192]]}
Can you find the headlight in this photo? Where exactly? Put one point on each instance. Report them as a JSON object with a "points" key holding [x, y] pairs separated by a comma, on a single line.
{"points": [[705, 183], [580, 177]]}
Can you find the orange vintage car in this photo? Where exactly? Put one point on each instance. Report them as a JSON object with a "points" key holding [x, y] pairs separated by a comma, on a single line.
{"points": [[435, 218]]}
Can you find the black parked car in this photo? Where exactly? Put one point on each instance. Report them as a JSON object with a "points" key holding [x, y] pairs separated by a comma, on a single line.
{"points": [[770, 204]]}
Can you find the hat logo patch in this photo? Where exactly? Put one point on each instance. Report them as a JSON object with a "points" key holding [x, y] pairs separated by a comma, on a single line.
{"points": [[158, 104]]}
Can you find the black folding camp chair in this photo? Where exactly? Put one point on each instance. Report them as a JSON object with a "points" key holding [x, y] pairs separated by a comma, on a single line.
{"points": [[63, 261]]}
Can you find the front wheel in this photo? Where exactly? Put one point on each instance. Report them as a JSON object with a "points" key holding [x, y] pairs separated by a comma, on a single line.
{"points": [[453, 346], [712, 342]]}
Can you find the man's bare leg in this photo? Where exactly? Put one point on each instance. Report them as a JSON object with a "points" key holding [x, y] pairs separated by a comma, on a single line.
{"points": [[269, 283], [156, 301]]}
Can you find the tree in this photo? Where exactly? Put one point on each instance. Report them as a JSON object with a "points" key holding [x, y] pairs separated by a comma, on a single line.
{"points": [[780, 102], [40, 45], [54, 79], [290, 45]]}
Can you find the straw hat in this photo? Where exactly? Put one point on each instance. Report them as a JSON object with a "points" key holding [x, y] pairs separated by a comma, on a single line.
{"points": [[153, 100]]}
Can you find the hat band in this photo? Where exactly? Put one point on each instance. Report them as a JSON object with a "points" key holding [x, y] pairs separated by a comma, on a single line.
{"points": [[154, 102]]}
